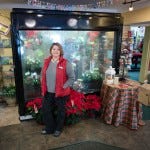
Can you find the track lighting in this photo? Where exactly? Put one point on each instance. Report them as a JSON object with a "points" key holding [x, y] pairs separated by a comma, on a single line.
{"points": [[131, 7], [131, 3]]}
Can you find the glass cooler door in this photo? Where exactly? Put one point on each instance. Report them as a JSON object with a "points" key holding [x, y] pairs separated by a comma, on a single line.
{"points": [[90, 52]]}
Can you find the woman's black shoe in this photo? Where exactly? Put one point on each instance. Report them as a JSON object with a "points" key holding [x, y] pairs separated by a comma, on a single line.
{"points": [[44, 132], [57, 133]]}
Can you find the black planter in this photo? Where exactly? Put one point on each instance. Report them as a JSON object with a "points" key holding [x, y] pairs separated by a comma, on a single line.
{"points": [[92, 86]]}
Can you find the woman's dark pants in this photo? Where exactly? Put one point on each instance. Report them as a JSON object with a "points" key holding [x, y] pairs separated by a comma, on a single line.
{"points": [[54, 111]]}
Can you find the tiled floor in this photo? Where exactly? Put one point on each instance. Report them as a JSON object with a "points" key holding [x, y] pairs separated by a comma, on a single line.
{"points": [[26, 135], [134, 75], [8, 115]]}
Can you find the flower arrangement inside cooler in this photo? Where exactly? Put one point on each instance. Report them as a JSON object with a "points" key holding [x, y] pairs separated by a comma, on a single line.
{"points": [[33, 64], [79, 106], [86, 53]]}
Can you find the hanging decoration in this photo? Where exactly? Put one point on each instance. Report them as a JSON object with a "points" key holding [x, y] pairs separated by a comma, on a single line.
{"points": [[4, 29], [4, 24], [66, 5]]}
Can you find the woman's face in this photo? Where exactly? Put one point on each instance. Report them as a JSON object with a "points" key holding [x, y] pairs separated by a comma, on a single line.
{"points": [[55, 52]]}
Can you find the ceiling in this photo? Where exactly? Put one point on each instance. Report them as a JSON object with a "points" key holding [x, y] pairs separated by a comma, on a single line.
{"points": [[116, 7]]}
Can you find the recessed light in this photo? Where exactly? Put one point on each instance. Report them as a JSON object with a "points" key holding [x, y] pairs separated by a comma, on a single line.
{"points": [[39, 15], [72, 22], [29, 11], [30, 23]]}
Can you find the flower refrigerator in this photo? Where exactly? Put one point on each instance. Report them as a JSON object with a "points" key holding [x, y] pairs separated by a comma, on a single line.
{"points": [[91, 42]]}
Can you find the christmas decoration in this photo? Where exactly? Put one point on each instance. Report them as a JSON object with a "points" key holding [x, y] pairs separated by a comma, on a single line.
{"points": [[77, 107], [69, 5]]}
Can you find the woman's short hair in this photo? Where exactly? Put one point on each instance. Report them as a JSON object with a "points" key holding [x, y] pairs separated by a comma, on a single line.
{"points": [[60, 48]]}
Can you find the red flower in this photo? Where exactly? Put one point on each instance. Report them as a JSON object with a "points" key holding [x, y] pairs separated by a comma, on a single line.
{"points": [[93, 35], [31, 34], [92, 102], [37, 102], [76, 103], [30, 104]]}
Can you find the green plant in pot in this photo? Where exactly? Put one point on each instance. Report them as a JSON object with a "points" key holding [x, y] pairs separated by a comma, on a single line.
{"points": [[92, 80], [9, 93]]}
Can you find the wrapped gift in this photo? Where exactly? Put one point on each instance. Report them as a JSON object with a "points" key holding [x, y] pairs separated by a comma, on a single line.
{"points": [[144, 94]]}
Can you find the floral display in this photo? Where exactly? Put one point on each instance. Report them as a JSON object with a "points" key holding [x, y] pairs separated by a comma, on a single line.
{"points": [[33, 64], [87, 54], [79, 106], [76, 103], [9, 90], [34, 108]]}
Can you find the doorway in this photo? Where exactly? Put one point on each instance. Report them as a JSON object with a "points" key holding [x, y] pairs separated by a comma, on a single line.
{"points": [[135, 46]]}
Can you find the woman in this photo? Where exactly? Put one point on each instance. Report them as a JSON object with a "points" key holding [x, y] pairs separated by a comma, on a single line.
{"points": [[57, 78]]}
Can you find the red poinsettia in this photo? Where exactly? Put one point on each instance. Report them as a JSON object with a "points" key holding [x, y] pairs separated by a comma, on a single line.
{"points": [[31, 34], [76, 103], [92, 102], [35, 104], [93, 35]]}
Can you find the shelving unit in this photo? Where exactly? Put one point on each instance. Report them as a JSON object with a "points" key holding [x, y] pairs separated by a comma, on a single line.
{"points": [[1, 80], [1, 72], [6, 64], [6, 60]]}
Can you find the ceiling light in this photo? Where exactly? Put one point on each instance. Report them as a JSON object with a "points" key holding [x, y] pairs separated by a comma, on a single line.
{"points": [[131, 3], [29, 11], [30, 23], [39, 15], [131, 7], [72, 22]]}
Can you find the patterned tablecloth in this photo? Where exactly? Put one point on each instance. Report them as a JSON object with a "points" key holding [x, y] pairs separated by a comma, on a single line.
{"points": [[120, 105]]}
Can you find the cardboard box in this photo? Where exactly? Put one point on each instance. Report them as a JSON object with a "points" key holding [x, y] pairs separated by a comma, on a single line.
{"points": [[144, 94]]}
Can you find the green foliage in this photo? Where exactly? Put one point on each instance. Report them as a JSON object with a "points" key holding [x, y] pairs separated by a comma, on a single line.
{"points": [[9, 91], [38, 116], [33, 64], [90, 76], [31, 82], [72, 119]]}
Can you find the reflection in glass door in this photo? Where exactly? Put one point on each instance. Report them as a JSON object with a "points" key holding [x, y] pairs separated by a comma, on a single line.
{"points": [[90, 53]]}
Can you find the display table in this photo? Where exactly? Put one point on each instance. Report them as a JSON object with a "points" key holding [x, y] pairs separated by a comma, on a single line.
{"points": [[120, 104]]}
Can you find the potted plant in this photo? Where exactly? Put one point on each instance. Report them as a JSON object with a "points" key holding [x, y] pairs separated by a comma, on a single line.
{"points": [[79, 106], [9, 93], [92, 80]]}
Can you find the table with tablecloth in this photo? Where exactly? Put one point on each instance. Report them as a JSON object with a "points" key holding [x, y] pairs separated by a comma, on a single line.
{"points": [[120, 104]]}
